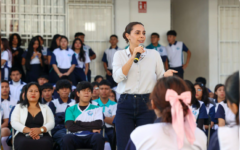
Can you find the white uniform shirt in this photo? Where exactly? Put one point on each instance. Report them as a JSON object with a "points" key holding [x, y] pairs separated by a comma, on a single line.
{"points": [[81, 64], [108, 56], [5, 56], [142, 76], [6, 106], [16, 89]]}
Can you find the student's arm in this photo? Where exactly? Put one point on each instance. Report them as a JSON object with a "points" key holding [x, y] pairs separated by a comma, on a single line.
{"points": [[4, 57], [86, 68], [70, 70], [220, 114], [73, 127], [3, 62], [185, 49], [49, 59], [5, 123], [57, 70], [97, 124], [166, 64], [221, 122], [92, 54], [109, 120], [50, 122]]}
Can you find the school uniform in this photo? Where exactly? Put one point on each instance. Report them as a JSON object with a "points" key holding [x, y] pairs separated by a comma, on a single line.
{"points": [[80, 121], [175, 56], [17, 60], [224, 112], [6, 68], [90, 53], [108, 59], [16, 89], [56, 95], [64, 59], [117, 94], [78, 72], [109, 110], [161, 136], [58, 108], [199, 113], [160, 49], [5, 110], [10, 103], [44, 53], [211, 112], [225, 138], [35, 69]]}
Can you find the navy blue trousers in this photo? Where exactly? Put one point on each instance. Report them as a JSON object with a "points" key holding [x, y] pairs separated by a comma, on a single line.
{"points": [[34, 72], [79, 75], [180, 71], [110, 79]]}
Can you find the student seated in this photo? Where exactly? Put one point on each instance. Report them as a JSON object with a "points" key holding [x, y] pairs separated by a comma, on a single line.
{"points": [[5, 97], [227, 137], [32, 121], [107, 58], [113, 96], [109, 108], [84, 122], [95, 94], [98, 79], [198, 108], [155, 37], [58, 107], [42, 79], [16, 83], [47, 91], [204, 82], [175, 127], [5, 109]]}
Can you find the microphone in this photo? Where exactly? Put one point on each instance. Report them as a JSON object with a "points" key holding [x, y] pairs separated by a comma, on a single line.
{"points": [[138, 55]]}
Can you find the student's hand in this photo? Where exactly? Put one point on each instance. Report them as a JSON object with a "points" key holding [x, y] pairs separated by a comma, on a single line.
{"points": [[39, 55], [16, 53], [34, 55], [211, 94], [60, 75], [66, 74], [169, 73], [138, 49], [184, 66], [109, 73], [86, 71], [96, 131]]}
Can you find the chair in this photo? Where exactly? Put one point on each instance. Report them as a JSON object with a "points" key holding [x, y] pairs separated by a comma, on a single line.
{"points": [[209, 130]]}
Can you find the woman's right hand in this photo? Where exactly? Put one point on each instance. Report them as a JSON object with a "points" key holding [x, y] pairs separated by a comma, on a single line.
{"points": [[60, 75], [138, 49]]}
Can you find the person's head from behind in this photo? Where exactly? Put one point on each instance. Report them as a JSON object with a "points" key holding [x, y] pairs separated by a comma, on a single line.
{"points": [[63, 88], [47, 91], [134, 33], [171, 36], [95, 93], [15, 39], [42, 79], [201, 93], [15, 75], [113, 40], [80, 35], [232, 94], [155, 38], [40, 38], [32, 94], [219, 92], [64, 42], [112, 96], [84, 92], [98, 79], [104, 89], [201, 80], [22, 94], [5, 88]]}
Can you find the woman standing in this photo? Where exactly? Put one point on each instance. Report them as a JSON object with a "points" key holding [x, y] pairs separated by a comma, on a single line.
{"points": [[6, 59], [135, 82]]}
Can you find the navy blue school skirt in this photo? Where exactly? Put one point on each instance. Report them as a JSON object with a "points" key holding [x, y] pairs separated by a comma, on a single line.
{"points": [[34, 72], [54, 77], [79, 75], [5, 73]]}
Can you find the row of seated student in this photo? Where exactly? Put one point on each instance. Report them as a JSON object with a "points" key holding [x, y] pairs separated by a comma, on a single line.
{"points": [[62, 59], [38, 120]]}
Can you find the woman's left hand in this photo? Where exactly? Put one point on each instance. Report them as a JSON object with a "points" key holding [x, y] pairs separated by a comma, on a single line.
{"points": [[66, 74], [169, 73], [35, 132]]}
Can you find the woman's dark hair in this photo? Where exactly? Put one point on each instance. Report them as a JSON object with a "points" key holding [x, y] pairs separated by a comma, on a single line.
{"points": [[74, 96], [81, 55], [115, 96], [24, 88], [39, 36], [129, 28], [54, 45], [25, 101], [31, 50], [205, 94], [232, 91], [194, 101], [97, 77], [6, 47], [215, 90], [159, 92], [11, 39]]}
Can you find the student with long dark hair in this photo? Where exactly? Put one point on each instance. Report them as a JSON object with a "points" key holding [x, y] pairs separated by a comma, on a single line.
{"points": [[198, 107], [81, 70], [174, 127], [15, 43], [228, 137], [63, 60], [33, 60], [33, 122], [44, 53], [6, 59]]}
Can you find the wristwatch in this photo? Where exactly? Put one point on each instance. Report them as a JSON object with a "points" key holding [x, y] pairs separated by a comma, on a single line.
{"points": [[42, 130]]}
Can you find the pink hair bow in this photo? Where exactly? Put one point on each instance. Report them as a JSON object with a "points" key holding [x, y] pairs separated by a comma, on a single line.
{"points": [[181, 125]]}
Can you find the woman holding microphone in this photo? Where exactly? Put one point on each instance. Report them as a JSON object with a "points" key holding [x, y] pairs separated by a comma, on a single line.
{"points": [[135, 82]]}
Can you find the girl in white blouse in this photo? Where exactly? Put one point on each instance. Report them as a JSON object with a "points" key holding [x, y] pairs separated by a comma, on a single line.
{"points": [[135, 82]]}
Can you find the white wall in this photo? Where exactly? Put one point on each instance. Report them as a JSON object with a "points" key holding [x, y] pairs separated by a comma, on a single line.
{"points": [[190, 20], [157, 19]]}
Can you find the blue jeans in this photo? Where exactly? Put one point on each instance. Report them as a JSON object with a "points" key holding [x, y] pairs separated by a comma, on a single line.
{"points": [[132, 111], [58, 137]]}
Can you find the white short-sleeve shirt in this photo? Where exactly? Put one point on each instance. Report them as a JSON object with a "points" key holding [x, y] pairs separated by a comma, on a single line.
{"points": [[81, 64], [5, 56]]}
